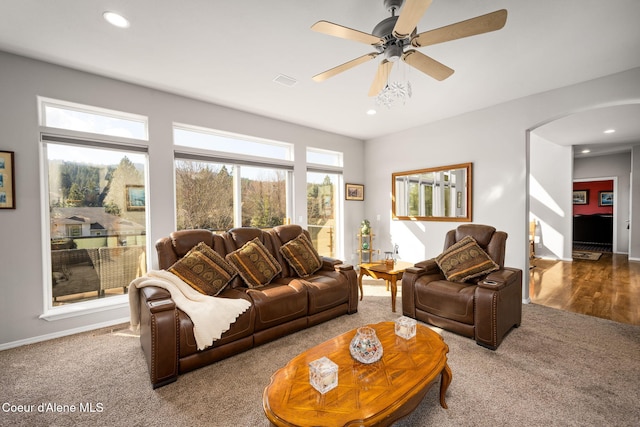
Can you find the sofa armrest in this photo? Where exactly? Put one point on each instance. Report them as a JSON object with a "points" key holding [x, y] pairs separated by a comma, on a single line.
{"points": [[498, 306], [346, 270], [343, 267], [410, 277], [329, 263], [428, 266], [152, 293], [159, 335], [499, 279], [334, 264], [159, 306]]}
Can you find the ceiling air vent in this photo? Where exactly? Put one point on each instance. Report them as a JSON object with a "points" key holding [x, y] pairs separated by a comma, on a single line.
{"points": [[285, 81]]}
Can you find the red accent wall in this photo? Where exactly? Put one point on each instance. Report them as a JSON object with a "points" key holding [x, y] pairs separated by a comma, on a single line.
{"points": [[594, 187]]}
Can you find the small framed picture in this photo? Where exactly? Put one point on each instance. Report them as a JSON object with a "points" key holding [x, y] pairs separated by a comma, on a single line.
{"points": [[354, 192], [135, 198], [606, 198], [580, 197], [7, 181]]}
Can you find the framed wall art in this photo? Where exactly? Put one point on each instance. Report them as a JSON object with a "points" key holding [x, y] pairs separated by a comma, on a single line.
{"points": [[135, 198], [354, 192], [7, 181], [580, 197], [606, 198]]}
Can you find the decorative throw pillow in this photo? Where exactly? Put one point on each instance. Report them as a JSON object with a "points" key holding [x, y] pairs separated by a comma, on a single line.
{"points": [[254, 263], [204, 270], [301, 256], [464, 260]]}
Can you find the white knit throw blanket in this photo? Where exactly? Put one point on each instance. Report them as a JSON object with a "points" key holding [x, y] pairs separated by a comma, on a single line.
{"points": [[211, 316]]}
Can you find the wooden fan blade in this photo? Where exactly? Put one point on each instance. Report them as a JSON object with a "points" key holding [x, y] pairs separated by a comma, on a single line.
{"points": [[344, 67], [410, 15], [382, 75], [481, 24], [427, 65], [343, 32]]}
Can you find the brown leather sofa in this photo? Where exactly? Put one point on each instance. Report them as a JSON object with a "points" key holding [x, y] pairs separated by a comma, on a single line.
{"points": [[285, 305], [484, 308]]}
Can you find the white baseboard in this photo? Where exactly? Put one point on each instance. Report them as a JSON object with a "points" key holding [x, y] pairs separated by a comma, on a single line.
{"points": [[550, 258], [64, 333]]}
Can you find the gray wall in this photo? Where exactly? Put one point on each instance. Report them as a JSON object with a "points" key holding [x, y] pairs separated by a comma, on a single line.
{"points": [[495, 140], [21, 250], [550, 191]]}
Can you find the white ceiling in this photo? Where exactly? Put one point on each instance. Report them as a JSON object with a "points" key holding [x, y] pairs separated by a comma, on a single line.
{"points": [[229, 52], [586, 130]]}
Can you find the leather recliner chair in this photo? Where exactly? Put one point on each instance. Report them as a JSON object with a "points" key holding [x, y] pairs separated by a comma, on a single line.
{"points": [[484, 308]]}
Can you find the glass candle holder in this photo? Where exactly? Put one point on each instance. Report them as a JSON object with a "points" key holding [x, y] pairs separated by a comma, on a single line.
{"points": [[365, 346], [405, 327], [323, 374]]}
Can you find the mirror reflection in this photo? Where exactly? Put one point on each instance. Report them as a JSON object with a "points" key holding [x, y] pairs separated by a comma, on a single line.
{"points": [[433, 194]]}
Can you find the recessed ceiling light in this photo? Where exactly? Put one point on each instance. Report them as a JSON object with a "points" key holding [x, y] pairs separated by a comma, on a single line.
{"points": [[585, 151], [371, 112], [609, 131], [116, 19]]}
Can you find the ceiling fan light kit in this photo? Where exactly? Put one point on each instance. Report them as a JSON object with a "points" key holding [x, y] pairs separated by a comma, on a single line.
{"points": [[390, 37], [393, 93]]}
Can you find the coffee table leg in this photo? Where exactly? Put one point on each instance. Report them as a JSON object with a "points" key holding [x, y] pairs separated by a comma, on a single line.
{"points": [[445, 380]]}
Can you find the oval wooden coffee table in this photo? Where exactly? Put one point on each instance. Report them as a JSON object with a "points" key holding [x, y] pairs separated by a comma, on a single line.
{"points": [[376, 394]]}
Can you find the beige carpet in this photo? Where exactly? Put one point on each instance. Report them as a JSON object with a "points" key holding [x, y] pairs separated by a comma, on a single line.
{"points": [[557, 369]]}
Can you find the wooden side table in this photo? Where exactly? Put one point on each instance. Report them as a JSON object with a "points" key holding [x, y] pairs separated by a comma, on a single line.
{"points": [[391, 275]]}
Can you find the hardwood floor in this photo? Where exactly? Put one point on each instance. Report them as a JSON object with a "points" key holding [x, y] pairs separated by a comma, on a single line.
{"points": [[608, 288]]}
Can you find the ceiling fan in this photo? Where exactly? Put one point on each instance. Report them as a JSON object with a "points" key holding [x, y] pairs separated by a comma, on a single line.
{"points": [[390, 37]]}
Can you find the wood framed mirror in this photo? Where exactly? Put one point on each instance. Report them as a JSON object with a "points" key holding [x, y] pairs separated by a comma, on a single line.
{"points": [[434, 194]]}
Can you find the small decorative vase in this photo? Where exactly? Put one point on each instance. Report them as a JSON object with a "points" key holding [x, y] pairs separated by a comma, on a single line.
{"points": [[365, 346], [365, 227]]}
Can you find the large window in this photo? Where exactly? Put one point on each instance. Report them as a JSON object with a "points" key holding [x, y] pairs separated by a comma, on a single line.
{"points": [[218, 192], [96, 195], [324, 183]]}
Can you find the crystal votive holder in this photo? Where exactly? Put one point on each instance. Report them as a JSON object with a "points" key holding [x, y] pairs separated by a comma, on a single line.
{"points": [[405, 327], [323, 374]]}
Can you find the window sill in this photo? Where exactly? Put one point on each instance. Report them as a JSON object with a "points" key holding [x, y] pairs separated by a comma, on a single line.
{"points": [[86, 308]]}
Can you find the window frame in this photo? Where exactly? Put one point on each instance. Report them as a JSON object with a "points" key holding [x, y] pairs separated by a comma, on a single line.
{"points": [[44, 102], [237, 155], [90, 140], [238, 160], [338, 156]]}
